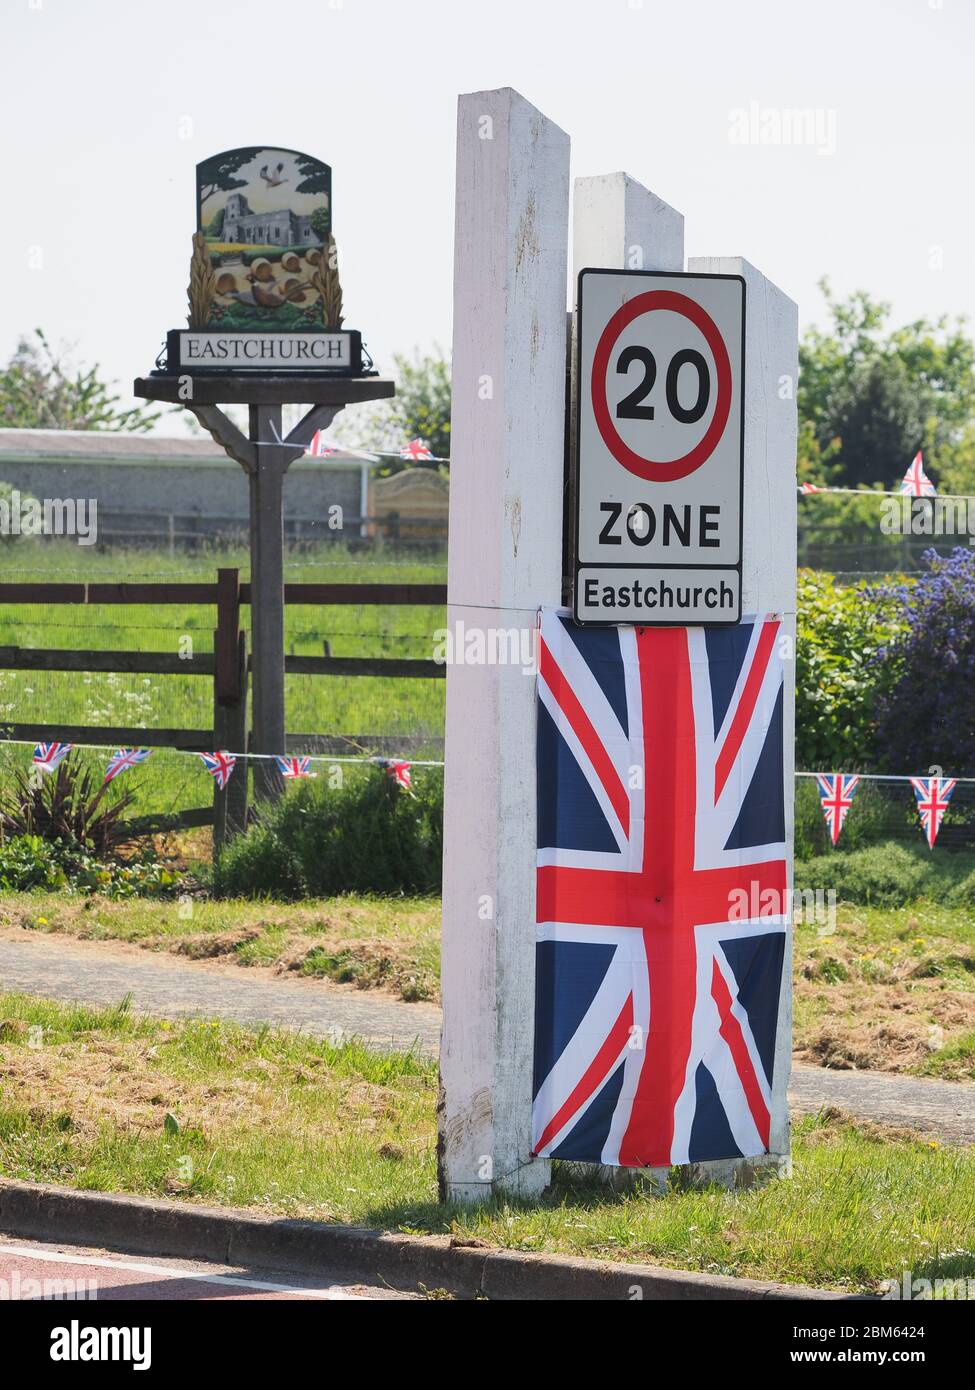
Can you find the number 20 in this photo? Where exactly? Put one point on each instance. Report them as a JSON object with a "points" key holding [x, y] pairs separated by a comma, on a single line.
{"points": [[631, 407]]}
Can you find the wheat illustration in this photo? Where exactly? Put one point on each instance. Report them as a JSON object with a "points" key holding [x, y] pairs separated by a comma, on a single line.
{"points": [[202, 289], [326, 281]]}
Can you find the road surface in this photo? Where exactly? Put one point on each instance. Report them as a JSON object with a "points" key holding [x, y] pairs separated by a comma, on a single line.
{"points": [[33, 1270]]}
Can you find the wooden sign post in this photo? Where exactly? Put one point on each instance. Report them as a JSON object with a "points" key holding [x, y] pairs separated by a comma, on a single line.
{"points": [[265, 454], [264, 330], [508, 485]]}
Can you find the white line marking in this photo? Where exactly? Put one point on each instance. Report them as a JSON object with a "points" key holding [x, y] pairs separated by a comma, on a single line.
{"points": [[53, 1257]]}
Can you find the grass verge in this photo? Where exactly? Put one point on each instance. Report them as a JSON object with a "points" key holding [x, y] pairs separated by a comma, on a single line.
{"points": [[103, 1100], [890, 989]]}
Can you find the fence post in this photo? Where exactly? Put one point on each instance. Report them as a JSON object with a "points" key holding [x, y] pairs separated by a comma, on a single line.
{"points": [[237, 741], [229, 704]]}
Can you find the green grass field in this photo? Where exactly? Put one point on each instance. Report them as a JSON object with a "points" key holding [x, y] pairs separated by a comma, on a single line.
{"points": [[284, 1124], [315, 704]]}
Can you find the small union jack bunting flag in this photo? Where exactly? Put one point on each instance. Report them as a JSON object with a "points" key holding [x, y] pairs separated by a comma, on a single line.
{"points": [[916, 482], [810, 487], [416, 449], [319, 448], [933, 795], [219, 765], [295, 767], [836, 794], [400, 774], [125, 757], [48, 755]]}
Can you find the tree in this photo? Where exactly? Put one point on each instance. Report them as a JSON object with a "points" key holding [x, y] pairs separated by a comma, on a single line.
{"points": [[38, 391], [316, 176], [422, 402], [321, 223], [870, 396], [214, 228], [419, 410], [956, 464], [216, 174]]}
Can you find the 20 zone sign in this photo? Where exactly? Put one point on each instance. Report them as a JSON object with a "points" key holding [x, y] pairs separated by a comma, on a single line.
{"points": [[659, 439]]}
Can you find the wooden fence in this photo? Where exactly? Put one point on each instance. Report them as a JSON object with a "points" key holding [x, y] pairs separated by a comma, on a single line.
{"points": [[227, 666]]}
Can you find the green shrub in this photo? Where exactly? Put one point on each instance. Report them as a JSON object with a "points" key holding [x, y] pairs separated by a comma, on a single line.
{"points": [[368, 837], [891, 875], [838, 678], [963, 892], [29, 863], [831, 522]]}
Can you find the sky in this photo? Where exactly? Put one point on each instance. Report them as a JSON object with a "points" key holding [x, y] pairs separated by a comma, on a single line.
{"points": [[107, 105]]}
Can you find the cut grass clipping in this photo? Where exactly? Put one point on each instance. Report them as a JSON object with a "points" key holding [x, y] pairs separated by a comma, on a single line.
{"points": [[283, 1124], [373, 943], [881, 989]]}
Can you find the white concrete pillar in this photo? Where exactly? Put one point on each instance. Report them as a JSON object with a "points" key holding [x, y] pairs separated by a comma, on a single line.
{"points": [[505, 560], [617, 224]]}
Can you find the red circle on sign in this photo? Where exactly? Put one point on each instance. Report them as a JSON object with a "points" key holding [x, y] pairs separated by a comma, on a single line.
{"points": [[660, 471]]}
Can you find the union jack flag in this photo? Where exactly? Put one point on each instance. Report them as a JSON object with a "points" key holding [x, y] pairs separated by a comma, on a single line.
{"points": [[933, 795], [125, 757], [48, 755], [915, 481], [219, 765], [319, 448], [836, 795], [416, 449], [399, 773], [295, 767], [662, 891]]}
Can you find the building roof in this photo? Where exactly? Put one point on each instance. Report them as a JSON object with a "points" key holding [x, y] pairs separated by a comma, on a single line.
{"points": [[106, 446]]}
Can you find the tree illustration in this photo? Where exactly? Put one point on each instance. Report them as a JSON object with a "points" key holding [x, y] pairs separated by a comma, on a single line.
{"points": [[216, 174], [316, 176], [321, 223]]}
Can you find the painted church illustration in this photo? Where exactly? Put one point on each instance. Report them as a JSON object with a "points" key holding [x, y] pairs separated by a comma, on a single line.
{"points": [[280, 228]]}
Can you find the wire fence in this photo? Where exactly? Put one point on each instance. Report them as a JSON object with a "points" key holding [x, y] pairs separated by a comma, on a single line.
{"points": [[394, 717], [870, 534]]}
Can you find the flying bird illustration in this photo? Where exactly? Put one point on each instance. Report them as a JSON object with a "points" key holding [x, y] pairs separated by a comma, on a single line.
{"points": [[272, 180]]}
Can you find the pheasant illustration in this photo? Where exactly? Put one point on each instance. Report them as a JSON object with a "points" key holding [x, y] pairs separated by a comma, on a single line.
{"points": [[268, 300], [273, 179]]}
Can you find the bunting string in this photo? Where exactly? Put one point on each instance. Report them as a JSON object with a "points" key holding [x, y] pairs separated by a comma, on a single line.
{"points": [[915, 482], [836, 792], [836, 789]]}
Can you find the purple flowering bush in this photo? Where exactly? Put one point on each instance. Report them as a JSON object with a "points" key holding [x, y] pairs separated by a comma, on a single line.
{"points": [[925, 712]]}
